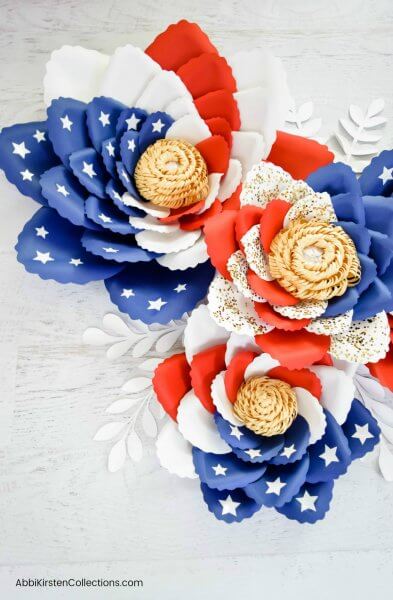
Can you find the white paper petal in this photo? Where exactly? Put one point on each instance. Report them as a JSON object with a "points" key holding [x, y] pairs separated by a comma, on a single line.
{"points": [[221, 401], [314, 206], [255, 255], [348, 368], [174, 452], [232, 310], [232, 179], [385, 461], [181, 107], [128, 73], [237, 267], [364, 342], [148, 207], [74, 72], [214, 185], [201, 332], [260, 365], [249, 148], [156, 241], [309, 408], [164, 88], [303, 310], [331, 325], [197, 425], [338, 391], [152, 224], [185, 259], [263, 183], [237, 343], [190, 128]]}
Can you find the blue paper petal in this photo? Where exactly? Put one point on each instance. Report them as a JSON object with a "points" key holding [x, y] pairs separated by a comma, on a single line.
{"points": [[341, 304], [330, 456], [153, 129], [110, 155], [381, 251], [376, 298], [102, 115], [224, 471], [154, 285], [129, 150], [379, 214], [127, 180], [361, 430], [368, 273], [349, 207], [220, 503], [115, 248], [26, 153], [377, 178], [65, 194], [268, 448], [48, 244], [88, 167], [295, 442], [358, 234], [387, 279], [67, 128], [269, 489], [314, 508], [236, 437], [108, 216], [131, 119], [335, 178], [114, 190]]}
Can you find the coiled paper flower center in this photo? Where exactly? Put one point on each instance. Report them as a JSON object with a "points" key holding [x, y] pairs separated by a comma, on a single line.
{"points": [[265, 405], [172, 173], [314, 260]]}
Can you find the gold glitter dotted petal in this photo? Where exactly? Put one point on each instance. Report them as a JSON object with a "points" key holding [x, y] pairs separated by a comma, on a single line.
{"points": [[365, 341]]}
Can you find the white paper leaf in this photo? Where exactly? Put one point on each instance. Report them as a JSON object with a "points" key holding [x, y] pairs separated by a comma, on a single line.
{"points": [[150, 364], [375, 121], [136, 384], [311, 128], [122, 405], [149, 423], [117, 456], [362, 150], [118, 349], [305, 111], [143, 346], [385, 462], [96, 337], [356, 115], [157, 409], [109, 431], [115, 325], [376, 106], [134, 447], [356, 133], [387, 431], [345, 145], [167, 341]]}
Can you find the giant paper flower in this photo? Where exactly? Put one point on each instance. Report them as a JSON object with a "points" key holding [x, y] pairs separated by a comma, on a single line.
{"points": [[137, 151], [254, 432], [306, 266]]}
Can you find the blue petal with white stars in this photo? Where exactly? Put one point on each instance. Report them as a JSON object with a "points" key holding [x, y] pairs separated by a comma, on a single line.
{"points": [[229, 506], [361, 430], [110, 155], [129, 150], [101, 115], [224, 471], [67, 127], [131, 119], [109, 246], [160, 294], [87, 165], [25, 154], [115, 191], [268, 448], [108, 216], [310, 504], [377, 177], [235, 436], [153, 129], [296, 440], [330, 456], [51, 247]]}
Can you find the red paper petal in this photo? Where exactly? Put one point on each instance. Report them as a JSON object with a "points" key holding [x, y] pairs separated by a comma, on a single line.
{"points": [[215, 152], [171, 382], [270, 316], [271, 290], [294, 349], [220, 103], [299, 156], [272, 221], [176, 213], [177, 45], [383, 370], [204, 367], [207, 73], [233, 202], [246, 218], [298, 378], [220, 126], [234, 374], [221, 240], [192, 222], [325, 361]]}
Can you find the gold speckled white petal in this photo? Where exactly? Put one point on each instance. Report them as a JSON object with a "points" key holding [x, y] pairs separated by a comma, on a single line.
{"points": [[365, 341]]}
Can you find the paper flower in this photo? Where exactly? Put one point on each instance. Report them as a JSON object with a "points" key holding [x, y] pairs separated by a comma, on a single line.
{"points": [[306, 266], [137, 151], [254, 432]]}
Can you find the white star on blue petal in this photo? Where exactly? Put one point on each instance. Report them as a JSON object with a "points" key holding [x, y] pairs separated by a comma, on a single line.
{"points": [[329, 455], [307, 502], [229, 507], [386, 175], [39, 136], [180, 288], [105, 218], [156, 304], [131, 145], [111, 149], [88, 168], [41, 232], [275, 487], [124, 175], [220, 470], [362, 433], [43, 257], [67, 124], [288, 451], [110, 250], [104, 118], [20, 149], [253, 453], [127, 293], [132, 122], [61, 189], [76, 262], [157, 126], [235, 431], [26, 175]]}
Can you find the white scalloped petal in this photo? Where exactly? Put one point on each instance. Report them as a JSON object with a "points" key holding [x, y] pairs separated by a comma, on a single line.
{"points": [[331, 325], [364, 342], [174, 452], [249, 148], [185, 259], [338, 391], [304, 310], [261, 365], [128, 73], [231, 310], [231, 180], [257, 113], [221, 401], [174, 241], [201, 332], [314, 206], [180, 107], [238, 343], [164, 88], [74, 72], [255, 255], [309, 408], [263, 183], [148, 207], [214, 185], [190, 128], [152, 224], [237, 267], [198, 427]]}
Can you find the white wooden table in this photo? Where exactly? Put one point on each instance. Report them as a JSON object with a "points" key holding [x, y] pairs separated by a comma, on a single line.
{"points": [[61, 513]]}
